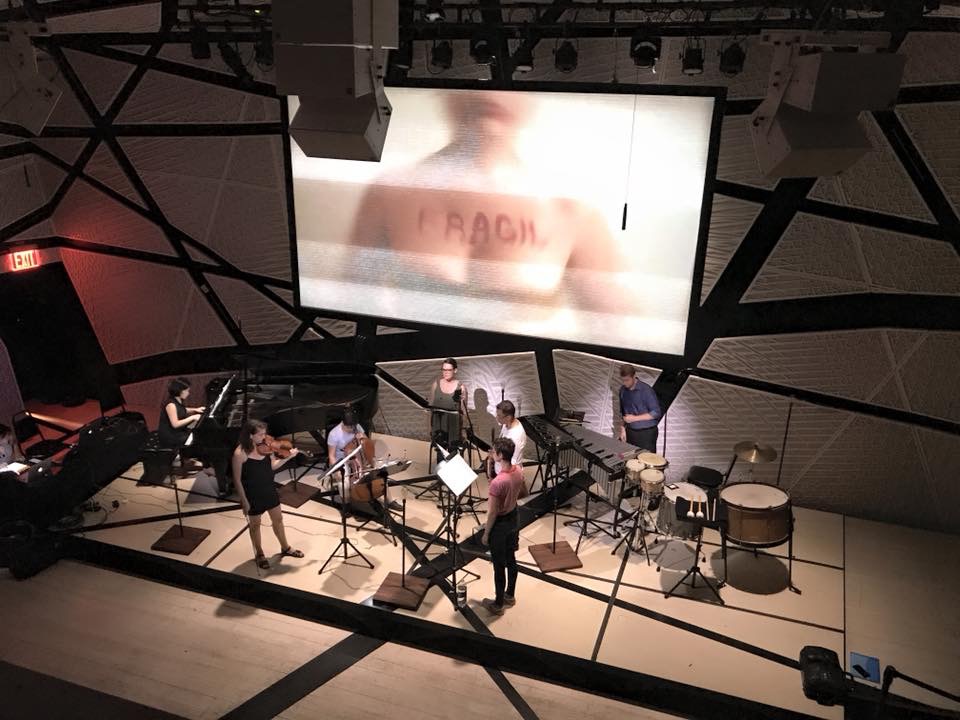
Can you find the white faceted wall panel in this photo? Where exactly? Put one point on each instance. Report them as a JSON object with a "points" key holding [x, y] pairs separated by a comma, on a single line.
{"points": [[67, 149], [730, 219], [138, 309], [68, 110], [878, 181], [936, 133], [399, 415], [940, 454], [164, 98], [848, 364], [737, 161], [10, 400], [249, 228], [87, 214], [591, 384], [899, 263], [205, 157], [931, 376], [22, 188], [338, 328], [137, 18], [51, 176], [41, 229], [101, 78], [260, 320], [103, 166], [931, 58]]}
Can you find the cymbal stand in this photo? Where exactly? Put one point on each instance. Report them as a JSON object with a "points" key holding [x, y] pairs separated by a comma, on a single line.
{"points": [[345, 542]]}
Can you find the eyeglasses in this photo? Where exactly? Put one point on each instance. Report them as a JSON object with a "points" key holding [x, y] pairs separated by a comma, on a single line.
{"points": [[448, 369]]}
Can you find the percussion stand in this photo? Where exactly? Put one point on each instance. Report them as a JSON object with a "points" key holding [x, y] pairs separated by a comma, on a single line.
{"points": [[345, 542], [554, 556], [630, 536], [682, 507]]}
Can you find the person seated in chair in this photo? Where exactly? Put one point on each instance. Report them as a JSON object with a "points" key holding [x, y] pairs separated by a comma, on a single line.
{"points": [[177, 420]]}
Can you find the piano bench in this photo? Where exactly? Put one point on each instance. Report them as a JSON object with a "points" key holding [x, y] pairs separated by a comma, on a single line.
{"points": [[157, 461]]}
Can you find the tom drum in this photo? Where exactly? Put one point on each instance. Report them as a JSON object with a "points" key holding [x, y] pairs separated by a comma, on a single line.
{"points": [[651, 482], [667, 521], [652, 460], [633, 472]]}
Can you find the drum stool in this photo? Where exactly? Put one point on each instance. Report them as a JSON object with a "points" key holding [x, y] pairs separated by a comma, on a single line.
{"points": [[706, 478]]}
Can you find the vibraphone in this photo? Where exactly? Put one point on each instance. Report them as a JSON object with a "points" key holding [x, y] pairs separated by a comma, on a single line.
{"points": [[603, 458]]}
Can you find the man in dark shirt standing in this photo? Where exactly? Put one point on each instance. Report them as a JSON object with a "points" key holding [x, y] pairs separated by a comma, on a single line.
{"points": [[639, 409]]}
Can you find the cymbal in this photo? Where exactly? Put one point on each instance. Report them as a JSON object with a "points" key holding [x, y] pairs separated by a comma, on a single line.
{"points": [[754, 452]]}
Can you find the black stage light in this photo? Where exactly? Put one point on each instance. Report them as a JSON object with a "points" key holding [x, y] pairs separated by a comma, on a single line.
{"points": [[732, 58], [402, 57], [480, 49], [233, 61], [199, 45], [644, 50], [692, 57], [434, 11], [523, 58], [441, 55], [823, 678], [565, 57], [263, 50]]}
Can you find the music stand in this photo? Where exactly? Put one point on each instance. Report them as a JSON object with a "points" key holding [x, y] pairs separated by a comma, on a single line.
{"points": [[683, 510], [180, 539], [554, 556], [344, 542], [401, 589], [456, 476]]}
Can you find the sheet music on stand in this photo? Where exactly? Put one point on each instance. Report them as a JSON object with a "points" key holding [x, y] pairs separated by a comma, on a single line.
{"points": [[456, 474]]}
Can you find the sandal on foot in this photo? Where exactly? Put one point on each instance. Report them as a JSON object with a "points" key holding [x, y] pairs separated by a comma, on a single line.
{"points": [[291, 552], [262, 562]]}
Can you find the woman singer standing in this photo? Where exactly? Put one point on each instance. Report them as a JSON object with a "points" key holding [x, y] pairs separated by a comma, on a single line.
{"points": [[253, 479], [448, 393]]}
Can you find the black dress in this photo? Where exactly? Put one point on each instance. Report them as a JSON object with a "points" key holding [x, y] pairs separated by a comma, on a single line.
{"points": [[256, 476], [169, 436]]}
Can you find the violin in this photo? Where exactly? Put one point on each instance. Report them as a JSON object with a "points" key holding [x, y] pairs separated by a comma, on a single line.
{"points": [[278, 448]]}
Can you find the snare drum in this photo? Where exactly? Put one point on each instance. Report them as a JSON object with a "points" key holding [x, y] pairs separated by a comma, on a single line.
{"points": [[758, 515], [667, 522], [634, 471], [652, 460], [651, 482]]}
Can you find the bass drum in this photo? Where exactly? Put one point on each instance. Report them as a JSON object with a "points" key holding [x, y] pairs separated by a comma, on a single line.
{"points": [[758, 515]]}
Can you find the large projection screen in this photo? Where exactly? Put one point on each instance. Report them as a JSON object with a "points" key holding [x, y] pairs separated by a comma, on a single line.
{"points": [[562, 215]]}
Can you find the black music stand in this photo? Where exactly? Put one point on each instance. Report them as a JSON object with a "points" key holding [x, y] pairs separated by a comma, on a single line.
{"points": [[682, 507], [179, 539], [448, 526], [400, 589], [554, 556], [345, 542]]}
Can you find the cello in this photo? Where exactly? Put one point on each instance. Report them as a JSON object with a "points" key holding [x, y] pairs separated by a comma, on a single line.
{"points": [[368, 485]]}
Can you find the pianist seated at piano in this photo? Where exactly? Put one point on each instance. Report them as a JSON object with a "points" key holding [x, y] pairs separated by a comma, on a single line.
{"points": [[253, 480], [177, 420]]}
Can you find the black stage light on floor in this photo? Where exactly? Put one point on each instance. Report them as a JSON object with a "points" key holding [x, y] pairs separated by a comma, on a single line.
{"points": [[263, 50], [823, 679], [199, 45], [441, 55], [644, 50], [231, 57], [565, 57], [480, 49], [402, 57], [732, 57], [692, 57], [523, 58], [434, 11]]}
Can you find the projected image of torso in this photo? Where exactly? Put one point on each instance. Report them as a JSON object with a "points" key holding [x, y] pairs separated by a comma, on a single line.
{"points": [[474, 206]]}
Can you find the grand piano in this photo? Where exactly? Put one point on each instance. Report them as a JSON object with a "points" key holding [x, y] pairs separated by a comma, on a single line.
{"points": [[289, 396]]}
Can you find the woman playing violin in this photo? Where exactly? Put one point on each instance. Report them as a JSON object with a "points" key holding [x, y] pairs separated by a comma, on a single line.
{"points": [[253, 467]]}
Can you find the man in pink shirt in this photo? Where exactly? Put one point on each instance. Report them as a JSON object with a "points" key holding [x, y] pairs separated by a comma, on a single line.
{"points": [[501, 532]]}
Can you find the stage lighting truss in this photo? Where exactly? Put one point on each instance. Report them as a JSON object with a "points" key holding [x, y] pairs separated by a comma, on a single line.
{"points": [[441, 55], [565, 57], [732, 57], [644, 49], [691, 58]]}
